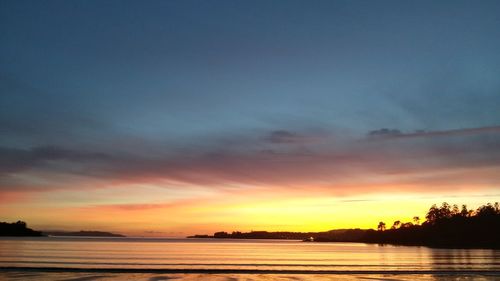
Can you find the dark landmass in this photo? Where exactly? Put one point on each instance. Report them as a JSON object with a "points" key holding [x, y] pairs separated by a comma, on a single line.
{"points": [[445, 227], [339, 234], [83, 233], [18, 228]]}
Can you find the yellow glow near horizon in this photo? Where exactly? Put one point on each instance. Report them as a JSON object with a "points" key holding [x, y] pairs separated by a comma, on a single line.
{"points": [[240, 212]]}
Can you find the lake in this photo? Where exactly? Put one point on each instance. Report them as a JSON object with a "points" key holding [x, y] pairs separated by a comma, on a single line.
{"points": [[70, 258]]}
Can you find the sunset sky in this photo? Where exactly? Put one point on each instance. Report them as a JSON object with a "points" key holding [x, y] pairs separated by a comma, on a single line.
{"points": [[170, 118]]}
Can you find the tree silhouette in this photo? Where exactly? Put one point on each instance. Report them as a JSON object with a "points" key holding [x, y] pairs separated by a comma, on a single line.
{"points": [[487, 210], [464, 212], [381, 226], [396, 225], [436, 214], [416, 220], [446, 226], [406, 225], [18, 228]]}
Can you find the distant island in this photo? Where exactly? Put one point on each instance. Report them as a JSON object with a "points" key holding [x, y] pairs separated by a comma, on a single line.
{"points": [[446, 226], [18, 228], [83, 233]]}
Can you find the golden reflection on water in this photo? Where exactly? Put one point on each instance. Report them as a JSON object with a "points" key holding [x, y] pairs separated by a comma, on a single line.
{"points": [[253, 255]]}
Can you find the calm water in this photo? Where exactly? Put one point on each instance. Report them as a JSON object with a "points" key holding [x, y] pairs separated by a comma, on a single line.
{"points": [[158, 259]]}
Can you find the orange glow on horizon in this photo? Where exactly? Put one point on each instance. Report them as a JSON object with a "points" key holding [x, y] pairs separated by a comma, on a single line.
{"points": [[231, 210]]}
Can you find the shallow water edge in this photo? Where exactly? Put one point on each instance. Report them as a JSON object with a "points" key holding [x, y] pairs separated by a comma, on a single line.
{"points": [[16, 275]]}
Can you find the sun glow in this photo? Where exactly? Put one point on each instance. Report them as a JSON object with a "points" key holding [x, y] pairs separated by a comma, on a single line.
{"points": [[232, 210]]}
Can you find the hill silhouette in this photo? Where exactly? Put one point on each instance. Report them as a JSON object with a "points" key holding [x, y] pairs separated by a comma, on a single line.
{"points": [[83, 233], [20, 228]]}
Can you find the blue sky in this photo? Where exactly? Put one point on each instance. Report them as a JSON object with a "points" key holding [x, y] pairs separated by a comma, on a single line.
{"points": [[172, 68]]}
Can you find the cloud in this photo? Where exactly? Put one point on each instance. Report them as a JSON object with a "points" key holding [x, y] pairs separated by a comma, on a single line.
{"points": [[384, 132], [14, 159], [281, 136], [287, 137], [422, 133], [347, 166], [134, 207]]}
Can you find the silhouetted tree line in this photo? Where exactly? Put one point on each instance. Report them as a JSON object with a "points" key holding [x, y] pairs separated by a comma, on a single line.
{"points": [[18, 228], [340, 234], [445, 226], [258, 235]]}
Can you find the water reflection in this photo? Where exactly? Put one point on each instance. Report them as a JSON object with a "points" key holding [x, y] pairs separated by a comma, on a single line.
{"points": [[252, 256], [471, 259]]}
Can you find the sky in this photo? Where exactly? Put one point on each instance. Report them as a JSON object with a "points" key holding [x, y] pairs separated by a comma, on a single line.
{"points": [[170, 118]]}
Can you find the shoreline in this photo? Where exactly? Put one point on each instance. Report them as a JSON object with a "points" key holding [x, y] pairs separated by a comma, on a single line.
{"points": [[247, 271], [433, 246]]}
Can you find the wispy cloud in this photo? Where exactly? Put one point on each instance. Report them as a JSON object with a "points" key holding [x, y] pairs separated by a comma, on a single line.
{"points": [[14, 159], [395, 133], [288, 137], [416, 158]]}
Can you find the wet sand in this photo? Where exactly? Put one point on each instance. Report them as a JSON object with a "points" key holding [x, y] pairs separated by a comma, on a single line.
{"points": [[102, 276]]}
